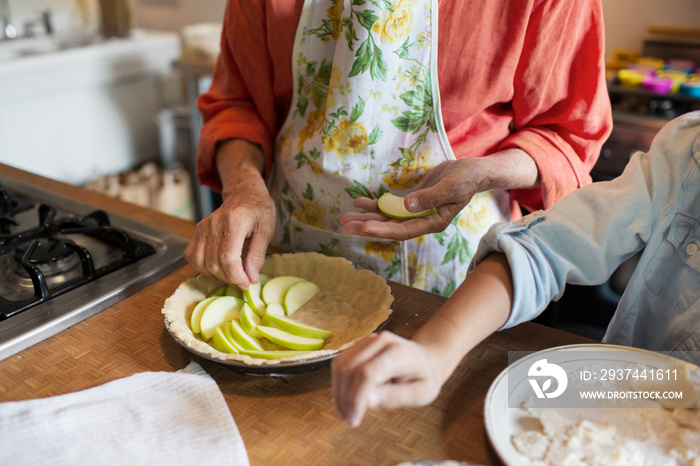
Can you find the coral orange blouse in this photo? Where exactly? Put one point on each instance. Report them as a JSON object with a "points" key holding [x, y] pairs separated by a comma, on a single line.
{"points": [[512, 73]]}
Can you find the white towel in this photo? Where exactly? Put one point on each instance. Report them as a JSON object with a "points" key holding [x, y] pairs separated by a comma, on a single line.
{"points": [[151, 418]]}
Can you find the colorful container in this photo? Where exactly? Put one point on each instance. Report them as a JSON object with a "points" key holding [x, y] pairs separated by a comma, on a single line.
{"points": [[648, 69], [658, 84], [621, 59], [678, 77], [631, 78], [681, 65], [691, 87], [652, 62]]}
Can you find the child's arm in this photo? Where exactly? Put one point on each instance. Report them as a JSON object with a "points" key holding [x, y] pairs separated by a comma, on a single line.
{"points": [[386, 371]]}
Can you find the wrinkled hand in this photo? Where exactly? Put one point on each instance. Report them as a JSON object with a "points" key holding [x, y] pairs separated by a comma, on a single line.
{"points": [[448, 187], [247, 212], [383, 371]]}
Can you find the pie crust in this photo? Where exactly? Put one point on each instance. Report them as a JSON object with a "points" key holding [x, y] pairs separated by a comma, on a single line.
{"points": [[352, 303]]}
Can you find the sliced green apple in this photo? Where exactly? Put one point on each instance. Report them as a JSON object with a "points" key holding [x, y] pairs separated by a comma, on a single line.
{"points": [[226, 326], [219, 310], [274, 308], [272, 354], [220, 341], [252, 297], [273, 291], [295, 327], [197, 314], [299, 294], [393, 207], [220, 291], [243, 339], [250, 321], [288, 340]]}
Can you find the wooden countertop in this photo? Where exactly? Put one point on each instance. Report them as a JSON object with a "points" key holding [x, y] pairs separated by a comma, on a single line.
{"points": [[286, 420]]}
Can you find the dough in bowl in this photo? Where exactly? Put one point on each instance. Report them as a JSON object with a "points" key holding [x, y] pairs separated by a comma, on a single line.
{"points": [[352, 303]]}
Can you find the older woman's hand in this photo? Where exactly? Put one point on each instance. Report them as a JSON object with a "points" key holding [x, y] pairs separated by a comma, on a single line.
{"points": [[383, 371], [247, 214], [217, 247]]}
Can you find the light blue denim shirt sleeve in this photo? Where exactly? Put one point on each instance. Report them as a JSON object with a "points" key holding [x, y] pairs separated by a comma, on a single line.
{"points": [[654, 207]]}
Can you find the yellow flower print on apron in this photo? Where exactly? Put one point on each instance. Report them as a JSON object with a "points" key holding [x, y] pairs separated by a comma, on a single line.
{"points": [[365, 119]]}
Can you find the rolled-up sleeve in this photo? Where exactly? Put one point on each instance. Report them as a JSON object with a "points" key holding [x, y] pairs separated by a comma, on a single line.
{"points": [[581, 240], [561, 107], [249, 95]]}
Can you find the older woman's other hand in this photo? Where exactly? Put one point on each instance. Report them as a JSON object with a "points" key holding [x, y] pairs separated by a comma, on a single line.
{"points": [[448, 187], [383, 371], [247, 213]]}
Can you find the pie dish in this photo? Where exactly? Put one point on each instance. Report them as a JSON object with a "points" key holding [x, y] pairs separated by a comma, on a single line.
{"points": [[352, 303]]}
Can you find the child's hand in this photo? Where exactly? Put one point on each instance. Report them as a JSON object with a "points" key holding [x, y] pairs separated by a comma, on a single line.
{"points": [[383, 371]]}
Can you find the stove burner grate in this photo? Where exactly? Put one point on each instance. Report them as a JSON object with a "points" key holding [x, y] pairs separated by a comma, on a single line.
{"points": [[50, 254], [45, 251], [11, 205]]}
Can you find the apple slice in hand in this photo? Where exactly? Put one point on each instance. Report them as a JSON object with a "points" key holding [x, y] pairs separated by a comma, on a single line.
{"points": [[197, 312], [273, 291], [288, 340], [299, 294], [243, 339], [393, 207], [294, 327], [220, 310], [249, 321]]}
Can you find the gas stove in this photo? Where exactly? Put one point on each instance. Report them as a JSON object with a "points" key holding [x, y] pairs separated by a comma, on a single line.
{"points": [[62, 261]]}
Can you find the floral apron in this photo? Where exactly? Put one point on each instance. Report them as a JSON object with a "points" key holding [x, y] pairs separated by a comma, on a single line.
{"points": [[365, 119]]}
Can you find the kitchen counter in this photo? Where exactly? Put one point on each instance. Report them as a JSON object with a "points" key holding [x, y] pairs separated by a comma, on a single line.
{"points": [[285, 420]]}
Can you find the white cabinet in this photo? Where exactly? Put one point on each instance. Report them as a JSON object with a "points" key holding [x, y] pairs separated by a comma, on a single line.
{"points": [[76, 113]]}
